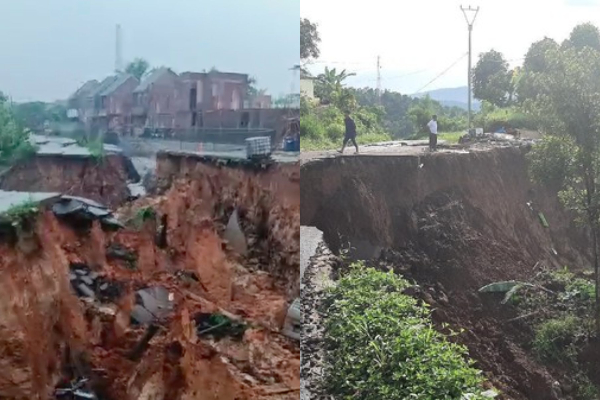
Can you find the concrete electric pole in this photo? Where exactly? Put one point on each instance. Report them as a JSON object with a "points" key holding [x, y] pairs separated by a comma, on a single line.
{"points": [[379, 79], [469, 12]]}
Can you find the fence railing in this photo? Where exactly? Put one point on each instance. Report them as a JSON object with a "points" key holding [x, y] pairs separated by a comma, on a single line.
{"points": [[198, 140]]}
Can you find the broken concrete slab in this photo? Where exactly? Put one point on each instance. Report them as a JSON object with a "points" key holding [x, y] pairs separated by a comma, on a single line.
{"points": [[9, 199], [234, 235], [141, 316], [79, 207], [310, 238], [152, 303], [292, 327]]}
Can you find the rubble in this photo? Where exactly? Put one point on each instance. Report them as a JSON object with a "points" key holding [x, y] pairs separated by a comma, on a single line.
{"points": [[163, 309], [61, 165]]}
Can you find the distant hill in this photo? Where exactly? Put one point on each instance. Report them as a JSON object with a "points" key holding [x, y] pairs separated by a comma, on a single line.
{"points": [[452, 97]]}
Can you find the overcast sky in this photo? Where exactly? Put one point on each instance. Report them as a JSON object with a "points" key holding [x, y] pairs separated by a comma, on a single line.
{"points": [[419, 39], [49, 47]]}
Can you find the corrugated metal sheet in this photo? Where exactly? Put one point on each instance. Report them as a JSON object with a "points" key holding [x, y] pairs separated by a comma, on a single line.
{"points": [[59, 146], [12, 199]]}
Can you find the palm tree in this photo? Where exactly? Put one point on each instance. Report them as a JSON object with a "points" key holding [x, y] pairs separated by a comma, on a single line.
{"points": [[330, 83]]}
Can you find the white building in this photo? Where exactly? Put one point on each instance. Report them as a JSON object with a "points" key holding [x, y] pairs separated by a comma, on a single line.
{"points": [[307, 87]]}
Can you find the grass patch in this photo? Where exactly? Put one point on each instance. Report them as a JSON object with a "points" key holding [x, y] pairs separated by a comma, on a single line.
{"points": [[555, 339], [381, 344], [141, 216], [20, 214], [325, 143], [451, 137], [96, 148]]}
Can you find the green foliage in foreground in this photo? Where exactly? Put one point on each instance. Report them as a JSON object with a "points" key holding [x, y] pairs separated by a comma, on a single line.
{"points": [[14, 140], [381, 345], [322, 128], [555, 338], [19, 214]]}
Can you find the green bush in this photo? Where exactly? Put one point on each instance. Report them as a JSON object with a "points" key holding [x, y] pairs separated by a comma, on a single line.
{"points": [[551, 160], [495, 118], [14, 140], [381, 344], [20, 215], [323, 128], [555, 338]]}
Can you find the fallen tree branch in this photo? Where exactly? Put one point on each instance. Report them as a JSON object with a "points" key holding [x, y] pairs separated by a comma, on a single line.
{"points": [[520, 317]]}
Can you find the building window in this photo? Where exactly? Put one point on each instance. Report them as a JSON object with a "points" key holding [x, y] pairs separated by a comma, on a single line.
{"points": [[193, 98], [245, 120], [235, 100], [200, 86]]}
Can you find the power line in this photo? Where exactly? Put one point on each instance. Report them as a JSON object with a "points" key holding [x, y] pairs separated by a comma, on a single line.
{"points": [[442, 73]]}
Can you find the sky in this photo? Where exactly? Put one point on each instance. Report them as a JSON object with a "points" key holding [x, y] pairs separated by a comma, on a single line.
{"points": [[50, 47], [417, 40]]}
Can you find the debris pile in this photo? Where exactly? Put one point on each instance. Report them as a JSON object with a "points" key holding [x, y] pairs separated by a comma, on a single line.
{"points": [[90, 284], [60, 165], [164, 308]]}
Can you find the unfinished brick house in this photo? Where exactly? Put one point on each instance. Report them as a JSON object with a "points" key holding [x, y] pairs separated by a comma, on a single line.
{"points": [[114, 103], [157, 101], [78, 104], [208, 92], [105, 105], [163, 100]]}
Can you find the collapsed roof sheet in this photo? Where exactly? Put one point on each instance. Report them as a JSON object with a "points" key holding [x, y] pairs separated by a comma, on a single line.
{"points": [[60, 146], [12, 199]]}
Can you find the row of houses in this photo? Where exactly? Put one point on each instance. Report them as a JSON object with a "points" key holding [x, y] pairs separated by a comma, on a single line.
{"points": [[163, 100]]}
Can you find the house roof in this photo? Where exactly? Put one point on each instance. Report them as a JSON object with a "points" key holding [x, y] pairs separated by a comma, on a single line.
{"points": [[152, 78], [115, 84], [232, 75], [102, 85], [84, 89]]}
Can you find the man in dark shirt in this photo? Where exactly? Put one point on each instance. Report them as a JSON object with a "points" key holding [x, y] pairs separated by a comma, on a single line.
{"points": [[350, 134]]}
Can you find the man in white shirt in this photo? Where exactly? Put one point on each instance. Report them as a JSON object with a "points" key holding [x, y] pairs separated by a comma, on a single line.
{"points": [[433, 132]]}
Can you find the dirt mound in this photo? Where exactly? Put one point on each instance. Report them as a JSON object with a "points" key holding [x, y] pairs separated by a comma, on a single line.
{"points": [[104, 181], [266, 196], [453, 223], [49, 336]]}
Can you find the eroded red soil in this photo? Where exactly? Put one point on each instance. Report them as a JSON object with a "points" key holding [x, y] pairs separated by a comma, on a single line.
{"points": [[47, 333]]}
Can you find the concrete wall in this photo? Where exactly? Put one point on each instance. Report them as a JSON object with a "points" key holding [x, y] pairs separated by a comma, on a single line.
{"points": [[307, 88], [165, 99]]}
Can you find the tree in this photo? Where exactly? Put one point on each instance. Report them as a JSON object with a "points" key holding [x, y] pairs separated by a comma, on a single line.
{"points": [[138, 68], [329, 85], [535, 59], [569, 101], [535, 63], [584, 35], [492, 79], [14, 140], [33, 115], [252, 90], [309, 40]]}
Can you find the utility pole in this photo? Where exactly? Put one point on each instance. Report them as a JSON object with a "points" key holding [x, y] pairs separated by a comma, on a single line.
{"points": [[470, 21], [378, 80]]}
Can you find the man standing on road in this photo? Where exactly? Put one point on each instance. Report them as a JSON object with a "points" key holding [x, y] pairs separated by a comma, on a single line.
{"points": [[433, 132], [350, 134]]}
